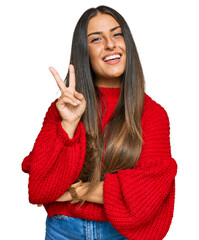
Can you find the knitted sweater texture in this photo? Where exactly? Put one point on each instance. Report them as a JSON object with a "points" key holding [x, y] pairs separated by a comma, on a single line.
{"points": [[138, 202]]}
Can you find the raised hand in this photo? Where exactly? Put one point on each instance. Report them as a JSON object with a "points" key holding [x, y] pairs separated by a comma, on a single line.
{"points": [[71, 104]]}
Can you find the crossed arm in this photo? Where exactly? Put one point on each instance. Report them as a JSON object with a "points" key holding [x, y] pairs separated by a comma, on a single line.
{"points": [[69, 111], [95, 196]]}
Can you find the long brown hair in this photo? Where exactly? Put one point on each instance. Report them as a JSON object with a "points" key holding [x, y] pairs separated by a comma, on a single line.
{"points": [[123, 136]]}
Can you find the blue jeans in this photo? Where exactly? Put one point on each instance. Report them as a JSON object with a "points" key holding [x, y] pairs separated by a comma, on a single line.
{"points": [[61, 227]]}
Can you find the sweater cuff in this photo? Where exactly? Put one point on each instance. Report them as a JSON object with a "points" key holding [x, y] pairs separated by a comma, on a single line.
{"points": [[63, 135]]}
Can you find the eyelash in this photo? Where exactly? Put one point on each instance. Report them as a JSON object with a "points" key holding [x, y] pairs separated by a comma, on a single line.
{"points": [[94, 40], [118, 34], [115, 35]]}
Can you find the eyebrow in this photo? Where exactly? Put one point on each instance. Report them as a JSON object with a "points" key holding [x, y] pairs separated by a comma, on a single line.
{"points": [[111, 30]]}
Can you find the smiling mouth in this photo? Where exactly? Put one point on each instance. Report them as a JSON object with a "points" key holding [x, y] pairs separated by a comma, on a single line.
{"points": [[112, 57]]}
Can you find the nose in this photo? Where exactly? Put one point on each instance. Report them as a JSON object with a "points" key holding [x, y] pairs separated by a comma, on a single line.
{"points": [[109, 43]]}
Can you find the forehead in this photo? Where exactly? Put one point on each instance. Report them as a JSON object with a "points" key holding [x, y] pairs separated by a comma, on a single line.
{"points": [[101, 23]]}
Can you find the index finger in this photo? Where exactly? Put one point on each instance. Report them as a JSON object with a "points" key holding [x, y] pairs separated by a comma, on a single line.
{"points": [[58, 79], [71, 77]]}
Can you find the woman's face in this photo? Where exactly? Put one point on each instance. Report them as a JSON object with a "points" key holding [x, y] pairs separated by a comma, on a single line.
{"points": [[107, 48]]}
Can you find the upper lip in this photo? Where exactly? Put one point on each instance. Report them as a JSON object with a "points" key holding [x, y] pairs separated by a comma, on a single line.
{"points": [[111, 54]]}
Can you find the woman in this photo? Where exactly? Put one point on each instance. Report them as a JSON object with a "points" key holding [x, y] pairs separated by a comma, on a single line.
{"points": [[101, 165]]}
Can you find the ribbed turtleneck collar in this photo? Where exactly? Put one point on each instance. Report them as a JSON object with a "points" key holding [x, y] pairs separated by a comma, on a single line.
{"points": [[110, 92]]}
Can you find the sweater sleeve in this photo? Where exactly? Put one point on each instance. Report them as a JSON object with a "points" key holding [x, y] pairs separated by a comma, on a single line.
{"points": [[139, 202], [55, 161]]}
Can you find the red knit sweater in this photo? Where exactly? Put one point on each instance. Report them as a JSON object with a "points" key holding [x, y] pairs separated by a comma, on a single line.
{"points": [[138, 202]]}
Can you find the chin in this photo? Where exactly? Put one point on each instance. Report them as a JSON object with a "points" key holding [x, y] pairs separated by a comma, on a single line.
{"points": [[116, 74]]}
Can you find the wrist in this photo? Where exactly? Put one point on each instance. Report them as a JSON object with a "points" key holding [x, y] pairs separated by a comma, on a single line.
{"points": [[96, 195], [69, 128]]}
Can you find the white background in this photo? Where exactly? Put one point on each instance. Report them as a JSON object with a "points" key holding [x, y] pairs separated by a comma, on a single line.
{"points": [[37, 34]]}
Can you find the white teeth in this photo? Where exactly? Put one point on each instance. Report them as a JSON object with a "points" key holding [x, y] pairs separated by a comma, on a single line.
{"points": [[112, 57]]}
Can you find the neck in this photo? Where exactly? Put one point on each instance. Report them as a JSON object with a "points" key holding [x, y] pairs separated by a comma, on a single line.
{"points": [[108, 82]]}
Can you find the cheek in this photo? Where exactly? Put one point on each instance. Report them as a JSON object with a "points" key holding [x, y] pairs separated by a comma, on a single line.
{"points": [[124, 49], [94, 55], [122, 45], [95, 51], [91, 55]]}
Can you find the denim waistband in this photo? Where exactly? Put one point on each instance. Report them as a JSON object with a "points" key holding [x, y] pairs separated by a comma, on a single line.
{"points": [[61, 227]]}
